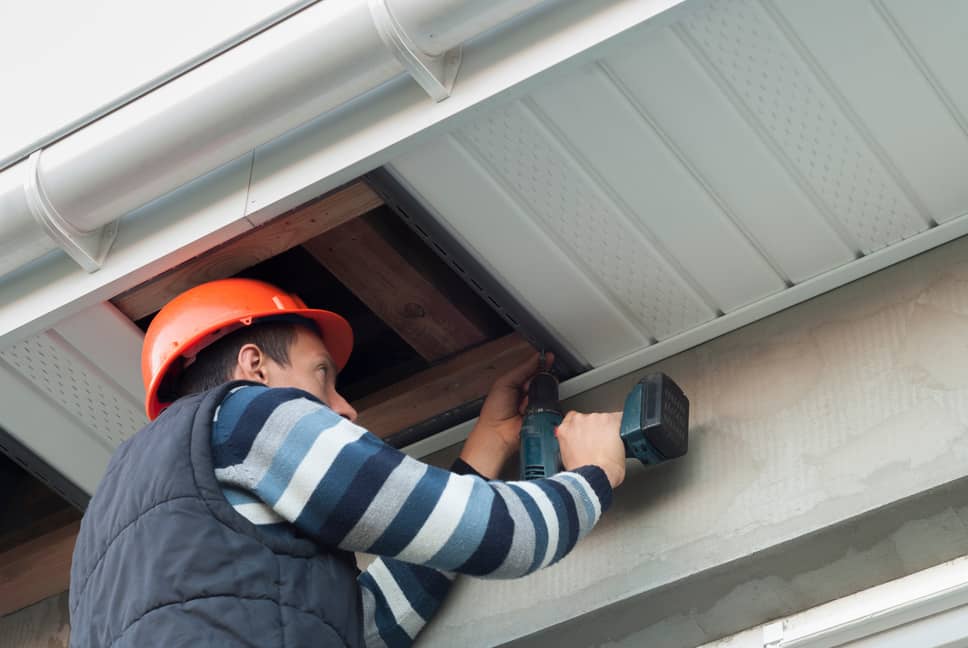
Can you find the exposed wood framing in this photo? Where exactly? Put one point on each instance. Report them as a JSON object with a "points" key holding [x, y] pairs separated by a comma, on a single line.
{"points": [[396, 291], [37, 569], [256, 245], [454, 382], [24, 531]]}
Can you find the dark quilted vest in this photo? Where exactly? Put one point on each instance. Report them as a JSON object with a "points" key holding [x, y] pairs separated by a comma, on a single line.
{"points": [[163, 560]]}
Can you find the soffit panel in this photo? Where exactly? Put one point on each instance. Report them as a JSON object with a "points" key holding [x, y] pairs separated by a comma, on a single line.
{"points": [[705, 168], [728, 155], [45, 412], [56, 369], [109, 341], [934, 36], [518, 252], [876, 76], [654, 190], [757, 63], [572, 206]]}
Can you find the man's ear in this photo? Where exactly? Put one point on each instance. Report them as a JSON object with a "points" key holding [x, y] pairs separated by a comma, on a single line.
{"points": [[250, 364]]}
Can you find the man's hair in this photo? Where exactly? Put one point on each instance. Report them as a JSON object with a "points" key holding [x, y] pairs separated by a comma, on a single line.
{"points": [[216, 363]]}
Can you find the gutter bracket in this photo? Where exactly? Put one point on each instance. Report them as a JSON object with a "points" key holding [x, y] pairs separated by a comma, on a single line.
{"points": [[435, 74], [773, 634], [88, 249]]}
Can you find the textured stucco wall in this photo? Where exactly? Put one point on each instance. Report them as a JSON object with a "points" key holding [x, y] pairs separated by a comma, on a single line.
{"points": [[42, 625], [828, 438]]}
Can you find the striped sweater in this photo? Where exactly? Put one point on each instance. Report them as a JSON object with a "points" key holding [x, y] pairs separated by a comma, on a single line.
{"points": [[282, 458]]}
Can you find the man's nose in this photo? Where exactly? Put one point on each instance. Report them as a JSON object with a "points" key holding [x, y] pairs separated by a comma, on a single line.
{"points": [[343, 408]]}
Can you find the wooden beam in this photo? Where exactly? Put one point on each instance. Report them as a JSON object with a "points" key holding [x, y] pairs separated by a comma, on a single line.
{"points": [[250, 248], [381, 276], [35, 570], [460, 380], [19, 532]]}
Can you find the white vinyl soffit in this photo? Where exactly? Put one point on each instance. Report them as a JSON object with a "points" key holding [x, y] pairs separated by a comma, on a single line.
{"points": [[691, 180], [679, 183]]}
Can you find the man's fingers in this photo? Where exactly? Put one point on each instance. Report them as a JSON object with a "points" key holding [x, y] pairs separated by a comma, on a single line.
{"points": [[569, 417], [519, 376]]}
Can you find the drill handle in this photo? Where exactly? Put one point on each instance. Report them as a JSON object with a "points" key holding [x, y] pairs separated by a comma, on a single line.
{"points": [[540, 453]]}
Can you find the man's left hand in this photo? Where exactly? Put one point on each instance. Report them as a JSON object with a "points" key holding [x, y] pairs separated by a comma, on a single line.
{"points": [[495, 436]]}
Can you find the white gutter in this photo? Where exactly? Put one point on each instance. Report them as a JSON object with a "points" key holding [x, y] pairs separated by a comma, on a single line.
{"points": [[71, 194], [924, 609], [9, 158]]}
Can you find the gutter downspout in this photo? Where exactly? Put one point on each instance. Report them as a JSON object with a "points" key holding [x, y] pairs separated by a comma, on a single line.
{"points": [[72, 193]]}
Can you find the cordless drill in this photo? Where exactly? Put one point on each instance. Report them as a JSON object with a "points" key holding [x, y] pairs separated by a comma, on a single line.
{"points": [[655, 424]]}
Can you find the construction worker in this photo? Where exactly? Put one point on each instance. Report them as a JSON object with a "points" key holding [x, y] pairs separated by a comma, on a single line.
{"points": [[230, 519]]}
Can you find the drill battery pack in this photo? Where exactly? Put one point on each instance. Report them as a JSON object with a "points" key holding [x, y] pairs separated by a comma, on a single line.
{"points": [[655, 420]]}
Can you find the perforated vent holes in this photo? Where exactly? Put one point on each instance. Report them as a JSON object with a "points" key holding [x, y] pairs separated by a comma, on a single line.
{"points": [[580, 219], [54, 368], [744, 46]]}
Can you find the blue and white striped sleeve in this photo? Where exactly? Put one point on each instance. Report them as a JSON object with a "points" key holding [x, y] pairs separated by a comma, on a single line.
{"points": [[400, 598], [347, 489], [281, 456]]}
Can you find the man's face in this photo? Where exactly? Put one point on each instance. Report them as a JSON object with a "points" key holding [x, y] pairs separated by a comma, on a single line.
{"points": [[311, 369]]}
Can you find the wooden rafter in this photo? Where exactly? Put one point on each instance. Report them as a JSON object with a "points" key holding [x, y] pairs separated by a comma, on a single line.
{"points": [[462, 379], [23, 531], [34, 570], [256, 245], [385, 280]]}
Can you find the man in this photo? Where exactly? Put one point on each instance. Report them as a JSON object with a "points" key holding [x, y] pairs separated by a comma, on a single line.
{"points": [[230, 518]]}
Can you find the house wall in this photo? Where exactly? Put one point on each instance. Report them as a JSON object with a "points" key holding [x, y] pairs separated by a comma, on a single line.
{"points": [[42, 625], [828, 449]]}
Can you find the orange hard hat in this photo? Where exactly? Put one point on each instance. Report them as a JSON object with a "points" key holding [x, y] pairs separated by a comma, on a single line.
{"points": [[198, 317]]}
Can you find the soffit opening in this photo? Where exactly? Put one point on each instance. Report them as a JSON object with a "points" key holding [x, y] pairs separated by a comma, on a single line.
{"points": [[430, 336]]}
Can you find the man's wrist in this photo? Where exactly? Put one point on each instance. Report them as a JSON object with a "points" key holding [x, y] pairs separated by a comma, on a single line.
{"points": [[486, 451], [461, 467], [487, 463]]}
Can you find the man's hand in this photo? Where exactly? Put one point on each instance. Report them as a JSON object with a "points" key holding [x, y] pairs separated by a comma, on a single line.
{"points": [[593, 439], [495, 437]]}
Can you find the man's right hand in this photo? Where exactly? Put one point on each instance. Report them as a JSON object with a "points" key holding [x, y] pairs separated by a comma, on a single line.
{"points": [[593, 439]]}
